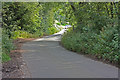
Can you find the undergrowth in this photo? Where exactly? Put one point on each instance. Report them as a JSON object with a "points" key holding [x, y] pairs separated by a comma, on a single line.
{"points": [[103, 45]]}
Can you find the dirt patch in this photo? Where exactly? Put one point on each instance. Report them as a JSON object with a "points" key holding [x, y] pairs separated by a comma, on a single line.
{"points": [[16, 67]]}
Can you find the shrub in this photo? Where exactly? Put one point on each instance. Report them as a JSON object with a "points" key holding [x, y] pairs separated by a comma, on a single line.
{"points": [[52, 30], [24, 34], [58, 23], [104, 45], [7, 46]]}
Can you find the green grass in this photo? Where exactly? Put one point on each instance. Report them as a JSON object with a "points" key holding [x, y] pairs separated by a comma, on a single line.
{"points": [[5, 57]]}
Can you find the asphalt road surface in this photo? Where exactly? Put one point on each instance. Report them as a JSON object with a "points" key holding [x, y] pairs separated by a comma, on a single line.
{"points": [[45, 58]]}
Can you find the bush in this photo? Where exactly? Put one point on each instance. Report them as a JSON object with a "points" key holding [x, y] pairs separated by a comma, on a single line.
{"points": [[103, 45], [52, 30], [58, 23], [7, 46], [24, 34]]}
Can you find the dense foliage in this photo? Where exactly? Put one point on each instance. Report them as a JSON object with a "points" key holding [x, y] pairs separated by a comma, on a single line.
{"points": [[95, 25], [21, 19], [25, 20], [7, 46], [96, 30]]}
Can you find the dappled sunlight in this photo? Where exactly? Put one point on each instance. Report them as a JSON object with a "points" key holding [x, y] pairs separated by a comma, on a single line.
{"points": [[54, 37], [49, 39], [62, 40], [42, 45]]}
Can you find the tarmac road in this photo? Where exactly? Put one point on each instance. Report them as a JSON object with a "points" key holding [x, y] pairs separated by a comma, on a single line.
{"points": [[45, 58]]}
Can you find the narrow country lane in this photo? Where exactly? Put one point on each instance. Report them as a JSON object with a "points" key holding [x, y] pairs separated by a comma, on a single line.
{"points": [[45, 58]]}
